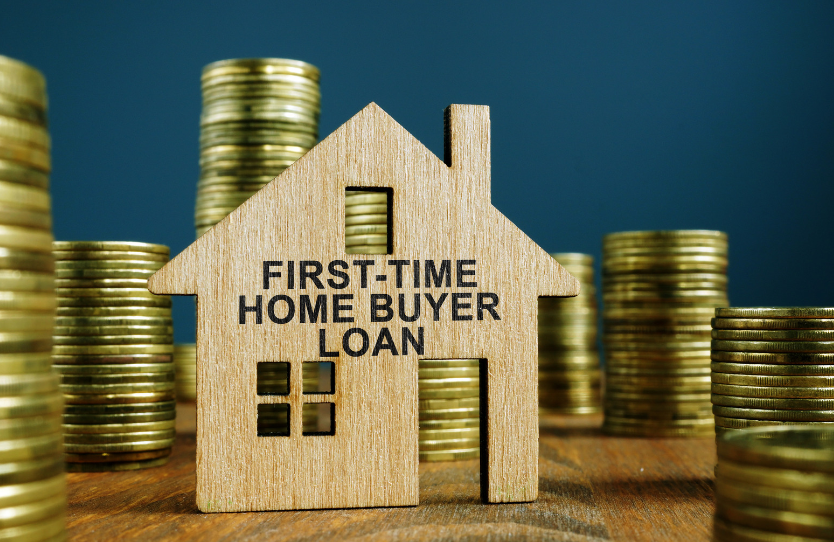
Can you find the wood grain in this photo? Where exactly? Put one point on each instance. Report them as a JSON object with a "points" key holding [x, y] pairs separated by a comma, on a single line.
{"points": [[591, 488], [441, 212]]}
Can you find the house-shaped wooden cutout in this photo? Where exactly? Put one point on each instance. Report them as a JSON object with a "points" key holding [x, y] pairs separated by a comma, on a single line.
{"points": [[248, 269]]}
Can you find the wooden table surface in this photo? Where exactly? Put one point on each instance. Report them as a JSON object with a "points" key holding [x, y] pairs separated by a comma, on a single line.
{"points": [[591, 487]]}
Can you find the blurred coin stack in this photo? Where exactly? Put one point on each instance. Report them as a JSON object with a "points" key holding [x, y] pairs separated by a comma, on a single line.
{"points": [[772, 366], [569, 371], [185, 366], [366, 222], [113, 348], [775, 484], [660, 289], [32, 481], [449, 409], [259, 116]]}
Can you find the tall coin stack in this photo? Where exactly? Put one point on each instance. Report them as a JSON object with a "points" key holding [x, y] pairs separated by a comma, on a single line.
{"points": [[449, 409], [366, 222], [775, 484], [259, 116], [32, 481], [569, 371], [660, 289], [772, 366], [113, 347], [185, 366]]}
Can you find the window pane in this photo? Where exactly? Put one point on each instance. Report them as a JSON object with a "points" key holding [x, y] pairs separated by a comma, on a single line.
{"points": [[319, 418], [319, 377], [368, 220], [274, 378], [274, 420]]}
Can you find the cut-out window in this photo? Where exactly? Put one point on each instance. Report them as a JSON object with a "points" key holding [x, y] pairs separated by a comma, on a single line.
{"points": [[319, 377], [319, 418], [368, 217], [273, 378], [274, 420]]}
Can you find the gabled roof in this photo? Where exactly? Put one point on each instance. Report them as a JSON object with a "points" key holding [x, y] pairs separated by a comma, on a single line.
{"points": [[467, 155]]}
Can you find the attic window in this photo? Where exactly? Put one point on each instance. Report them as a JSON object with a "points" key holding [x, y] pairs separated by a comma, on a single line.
{"points": [[368, 217]]}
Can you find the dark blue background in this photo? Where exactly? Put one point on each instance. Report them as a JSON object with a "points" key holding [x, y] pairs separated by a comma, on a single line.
{"points": [[606, 116]]}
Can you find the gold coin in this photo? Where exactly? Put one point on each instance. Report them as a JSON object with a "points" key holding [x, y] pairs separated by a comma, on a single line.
{"points": [[211, 138], [109, 312], [22, 82], [117, 388], [96, 380], [115, 349], [367, 249], [645, 236], [26, 362], [94, 257], [116, 447], [764, 380], [366, 239], [459, 402], [27, 301], [14, 494], [658, 398], [23, 384], [26, 133], [302, 122], [454, 433], [97, 302], [365, 198], [22, 281], [367, 229], [790, 392], [774, 414], [14, 172], [772, 370], [30, 405], [28, 112], [63, 267], [776, 520], [702, 329], [117, 438], [25, 449], [363, 219], [740, 423], [774, 335], [118, 398], [127, 419], [448, 444], [669, 357], [659, 416], [111, 340], [16, 151], [773, 323], [448, 372], [775, 358], [30, 426], [450, 455], [790, 479], [705, 420], [446, 382], [108, 246], [661, 405], [657, 381], [164, 425], [40, 531], [117, 466], [660, 346], [111, 359], [448, 414], [23, 515], [774, 346], [122, 408], [775, 312], [369, 209], [451, 424], [787, 403], [25, 219], [260, 78], [732, 532], [654, 372], [112, 330], [261, 66]]}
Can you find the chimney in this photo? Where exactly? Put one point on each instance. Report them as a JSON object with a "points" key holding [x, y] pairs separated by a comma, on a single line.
{"points": [[466, 145]]}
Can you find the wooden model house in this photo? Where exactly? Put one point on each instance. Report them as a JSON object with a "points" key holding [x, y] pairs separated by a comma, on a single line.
{"points": [[274, 284]]}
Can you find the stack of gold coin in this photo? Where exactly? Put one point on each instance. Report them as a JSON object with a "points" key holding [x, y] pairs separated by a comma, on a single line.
{"points": [[569, 371], [366, 222], [775, 484], [113, 347], [32, 480], [772, 366], [660, 289], [259, 116], [185, 365], [449, 409]]}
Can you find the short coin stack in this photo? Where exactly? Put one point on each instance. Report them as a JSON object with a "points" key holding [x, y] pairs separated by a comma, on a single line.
{"points": [[259, 116], [772, 366], [185, 365], [366, 222], [32, 481], [775, 484], [660, 289], [449, 409], [569, 371], [113, 348]]}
